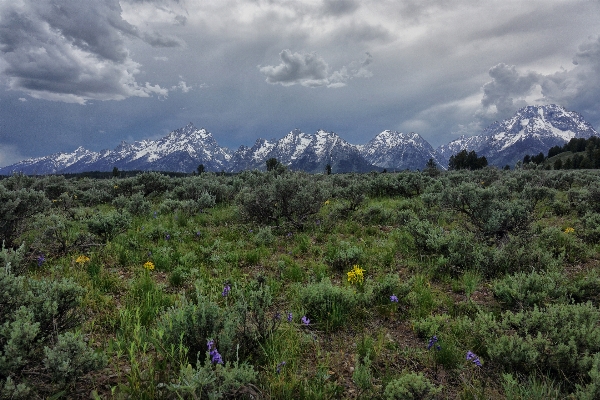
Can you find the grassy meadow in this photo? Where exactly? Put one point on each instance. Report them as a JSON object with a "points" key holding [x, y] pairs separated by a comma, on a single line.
{"points": [[283, 285]]}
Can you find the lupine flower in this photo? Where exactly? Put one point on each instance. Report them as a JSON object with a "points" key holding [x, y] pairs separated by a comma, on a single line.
{"points": [[215, 357], [281, 364], [473, 358], [226, 290], [167, 236], [277, 316], [40, 260], [155, 214], [305, 320], [289, 317], [432, 342], [394, 298]]}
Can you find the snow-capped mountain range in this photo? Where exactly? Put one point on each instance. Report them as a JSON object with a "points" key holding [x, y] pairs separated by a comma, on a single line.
{"points": [[532, 130]]}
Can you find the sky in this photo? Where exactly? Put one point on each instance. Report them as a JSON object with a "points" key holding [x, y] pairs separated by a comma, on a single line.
{"points": [[96, 72]]}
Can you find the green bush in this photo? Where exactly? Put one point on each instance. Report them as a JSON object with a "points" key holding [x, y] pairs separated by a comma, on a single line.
{"points": [[108, 225], [411, 386], [229, 380], [289, 199], [16, 209], [135, 204], [490, 209], [591, 227], [385, 287], [56, 234], [519, 254], [192, 324], [71, 358], [560, 339], [525, 290], [327, 306], [343, 255], [33, 313]]}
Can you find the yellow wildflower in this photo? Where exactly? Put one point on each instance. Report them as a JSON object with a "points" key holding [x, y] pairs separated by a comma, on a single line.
{"points": [[326, 202], [116, 186], [355, 276], [569, 230], [82, 259], [149, 265]]}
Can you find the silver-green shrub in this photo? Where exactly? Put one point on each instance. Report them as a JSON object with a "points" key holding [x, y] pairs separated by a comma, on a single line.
{"points": [[286, 200], [108, 225], [16, 208], [71, 358], [560, 339], [326, 305], [410, 386]]}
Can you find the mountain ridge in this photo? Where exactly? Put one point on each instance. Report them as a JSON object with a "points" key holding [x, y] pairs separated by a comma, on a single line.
{"points": [[531, 130]]}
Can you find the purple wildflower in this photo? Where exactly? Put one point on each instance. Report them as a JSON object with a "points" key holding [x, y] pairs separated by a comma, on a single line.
{"points": [[40, 260], [167, 236], [432, 342], [226, 290], [154, 214], [305, 320], [277, 316], [289, 317], [394, 298], [281, 364], [215, 357], [473, 358]]}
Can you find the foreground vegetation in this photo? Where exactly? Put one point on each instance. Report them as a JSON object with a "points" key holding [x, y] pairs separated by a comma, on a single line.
{"points": [[416, 285]]}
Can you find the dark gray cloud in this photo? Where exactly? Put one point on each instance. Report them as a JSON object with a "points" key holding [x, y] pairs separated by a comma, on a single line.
{"points": [[298, 69], [428, 63], [310, 70], [156, 39], [71, 51], [340, 7]]}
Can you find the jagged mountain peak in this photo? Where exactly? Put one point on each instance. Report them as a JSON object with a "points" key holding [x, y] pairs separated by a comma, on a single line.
{"points": [[397, 150], [531, 130]]}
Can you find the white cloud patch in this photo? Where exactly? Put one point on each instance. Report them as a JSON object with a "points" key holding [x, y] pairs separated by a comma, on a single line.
{"points": [[71, 51], [311, 70], [182, 86]]}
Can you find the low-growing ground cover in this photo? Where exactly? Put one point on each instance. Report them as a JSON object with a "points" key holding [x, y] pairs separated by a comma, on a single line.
{"points": [[467, 284]]}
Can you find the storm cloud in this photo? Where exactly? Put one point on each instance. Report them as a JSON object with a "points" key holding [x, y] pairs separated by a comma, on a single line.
{"points": [[72, 51], [576, 88], [311, 70], [245, 69]]}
